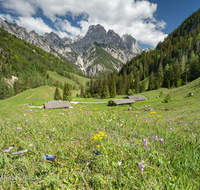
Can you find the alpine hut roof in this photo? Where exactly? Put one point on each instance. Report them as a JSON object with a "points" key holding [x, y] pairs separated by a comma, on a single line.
{"points": [[135, 98], [57, 104], [121, 101]]}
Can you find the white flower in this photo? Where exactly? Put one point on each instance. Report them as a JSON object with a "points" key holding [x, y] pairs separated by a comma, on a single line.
{"points": [[119, 163]]}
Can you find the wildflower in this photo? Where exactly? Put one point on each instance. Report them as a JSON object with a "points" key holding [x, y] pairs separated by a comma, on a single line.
{"points": [[98, 146], [161, 140], [98, 129], [39, 132], [19, 152], [130, 113], [20, 128], [64, 110], [67, 113], [26, 122], [48, 137], [80, 109], [171, 129], [19, 116], [138, 112], [24, 115], [88, 112], [193, 135], [49, 157], [144, 143], [153, 112], [180, 122], [141, 166], [196, 122], [7, 150], [159, 116], [96, 152], [154, 138], [185, 124], [119, 163]]}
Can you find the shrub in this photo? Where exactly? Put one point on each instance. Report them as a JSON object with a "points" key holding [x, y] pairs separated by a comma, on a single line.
{"points": [[167, 99]]}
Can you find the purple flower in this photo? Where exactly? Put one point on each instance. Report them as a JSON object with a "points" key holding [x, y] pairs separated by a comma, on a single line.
{"points": [[161, 140], [171, 129], [26, 122], [185, 124], [98, 129], [193, 135], [6, 150], [154, 138], [67, 113], [130, 113], [138, 112], [88, 112], [179, 121], [196, 122], [48, 137], [144, 143], [19, 116], [19, 128], [64, 110], [39, 132], [24, 115], [141, 166]]}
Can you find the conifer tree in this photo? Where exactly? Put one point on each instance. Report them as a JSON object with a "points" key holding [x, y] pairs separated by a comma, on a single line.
{"points": [[160, 75], [16, 87], [66, 91], [151, 82], [177, 73], [100, 86], [120, 86], [105, 92], [57, 94], [82, 91], [136, 84], [112, 87], [143, 86]]}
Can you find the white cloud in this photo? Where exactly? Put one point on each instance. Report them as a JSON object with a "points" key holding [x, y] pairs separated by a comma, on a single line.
{"points": [[21, 7], [66, 26], [130, 16], [7, 17]]}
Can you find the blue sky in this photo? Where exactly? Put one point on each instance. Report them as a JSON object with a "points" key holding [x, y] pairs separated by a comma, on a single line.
{"points": [[148, 21]]}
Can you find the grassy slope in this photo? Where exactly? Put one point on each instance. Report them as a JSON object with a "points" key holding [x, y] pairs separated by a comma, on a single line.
{"points": [[62, 79]]}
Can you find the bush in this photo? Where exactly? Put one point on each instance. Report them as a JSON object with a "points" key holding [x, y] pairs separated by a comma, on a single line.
{"points": [[167, 99], [69, 98]]}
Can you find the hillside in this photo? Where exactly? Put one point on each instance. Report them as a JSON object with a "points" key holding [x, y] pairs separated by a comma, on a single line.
{"points": [[174, 62], [29, 64]]}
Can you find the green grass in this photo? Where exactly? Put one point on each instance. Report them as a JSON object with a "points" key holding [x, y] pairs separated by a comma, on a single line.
{"points": [[72, 136]]}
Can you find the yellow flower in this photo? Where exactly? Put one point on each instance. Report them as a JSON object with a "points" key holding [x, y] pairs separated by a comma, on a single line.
{"points": [[159, 116], [152, 112], [98, 146], [80, 109]]}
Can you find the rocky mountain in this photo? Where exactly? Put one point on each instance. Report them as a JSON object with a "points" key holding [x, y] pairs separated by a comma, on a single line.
{"points": [[97, 51]]}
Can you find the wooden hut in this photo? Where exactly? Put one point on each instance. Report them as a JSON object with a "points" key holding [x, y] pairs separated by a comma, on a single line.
{"points": [[135, 98], [120, 102], [57, 104]]}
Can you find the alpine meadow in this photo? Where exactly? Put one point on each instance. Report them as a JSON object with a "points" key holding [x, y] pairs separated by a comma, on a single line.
{"points": [[97, 111]]}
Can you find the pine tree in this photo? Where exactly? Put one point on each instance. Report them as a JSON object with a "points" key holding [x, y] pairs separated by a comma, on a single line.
{"points": [[82, 91], [160, 75], [120, 86], [136, 84], [57, 94], [112, 87], [143, 86], [100, 86], [105, 92], [151, 82], [16, 87], [177, 73], [66, 91]]}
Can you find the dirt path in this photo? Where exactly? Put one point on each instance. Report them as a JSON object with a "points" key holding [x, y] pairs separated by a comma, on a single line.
{"points": [[30, 96]]}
